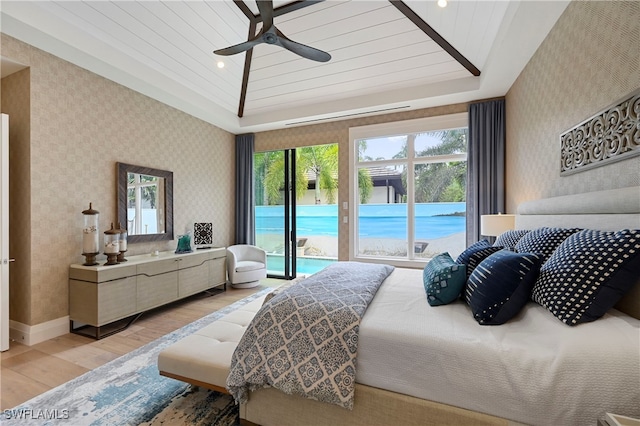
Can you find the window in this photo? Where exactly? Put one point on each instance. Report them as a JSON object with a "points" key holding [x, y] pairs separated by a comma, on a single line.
{"points": [[408, 186]]}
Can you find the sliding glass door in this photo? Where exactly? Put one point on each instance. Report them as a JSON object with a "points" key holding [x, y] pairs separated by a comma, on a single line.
{"points": [[275, 210], [296, 209]]}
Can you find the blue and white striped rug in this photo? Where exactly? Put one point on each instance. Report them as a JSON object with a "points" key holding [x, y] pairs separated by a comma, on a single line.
{"points": [[129, 391]]}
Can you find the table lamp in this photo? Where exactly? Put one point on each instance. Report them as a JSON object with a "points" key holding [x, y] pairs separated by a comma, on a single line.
{"points": [[492, 225]]}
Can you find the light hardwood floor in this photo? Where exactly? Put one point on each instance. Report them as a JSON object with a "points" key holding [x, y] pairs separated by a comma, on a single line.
{"points": [[27, 371]]}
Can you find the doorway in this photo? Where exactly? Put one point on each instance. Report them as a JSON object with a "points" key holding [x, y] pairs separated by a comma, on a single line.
{"points": [[296, 209], [4, 233]]}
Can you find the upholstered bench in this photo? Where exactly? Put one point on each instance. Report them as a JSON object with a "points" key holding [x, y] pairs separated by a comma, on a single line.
{"points": [[204, 357]]}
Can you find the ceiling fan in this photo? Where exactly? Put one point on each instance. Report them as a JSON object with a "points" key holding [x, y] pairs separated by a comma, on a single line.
{"points": [[271, 35]]}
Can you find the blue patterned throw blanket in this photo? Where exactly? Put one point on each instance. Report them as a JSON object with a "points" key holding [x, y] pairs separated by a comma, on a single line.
{"points": [[304, 341]]}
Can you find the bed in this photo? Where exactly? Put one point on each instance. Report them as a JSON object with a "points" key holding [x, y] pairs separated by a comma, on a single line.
{"points": [[444, 368]]}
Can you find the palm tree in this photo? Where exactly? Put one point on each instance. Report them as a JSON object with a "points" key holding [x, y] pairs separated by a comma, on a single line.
{"points": [[261, 163], [272, 177], [440, 182], [365, 183], [443, 182], [322, 161]]}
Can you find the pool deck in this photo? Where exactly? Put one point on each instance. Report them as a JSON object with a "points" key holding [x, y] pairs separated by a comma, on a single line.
{"points": [[327, 247]]}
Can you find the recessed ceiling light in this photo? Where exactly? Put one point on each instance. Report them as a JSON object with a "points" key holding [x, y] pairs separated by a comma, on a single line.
{"points": [[220, 64], [442, 3]]}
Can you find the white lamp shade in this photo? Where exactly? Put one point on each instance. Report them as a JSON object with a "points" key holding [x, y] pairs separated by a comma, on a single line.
{"points": [[493, 225]]}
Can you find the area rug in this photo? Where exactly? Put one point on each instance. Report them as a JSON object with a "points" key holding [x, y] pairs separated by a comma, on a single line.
{"points": [[129, 391]]}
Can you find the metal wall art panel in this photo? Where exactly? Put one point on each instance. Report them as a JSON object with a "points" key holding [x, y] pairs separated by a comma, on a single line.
{"points": [[611, 135]]}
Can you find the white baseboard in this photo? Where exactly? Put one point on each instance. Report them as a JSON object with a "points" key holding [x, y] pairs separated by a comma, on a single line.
{"points": [[32, 334]]}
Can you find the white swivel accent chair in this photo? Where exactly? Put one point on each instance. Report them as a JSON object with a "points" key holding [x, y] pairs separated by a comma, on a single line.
{"points": [[246, 265]]}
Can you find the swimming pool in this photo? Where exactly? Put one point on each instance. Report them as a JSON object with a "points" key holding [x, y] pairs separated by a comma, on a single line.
{"points": [[304, 265]]}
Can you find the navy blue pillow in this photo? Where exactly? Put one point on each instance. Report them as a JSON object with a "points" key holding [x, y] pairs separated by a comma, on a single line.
{"points": [[476, 253], [509, 239], [588, 273], [543, 241], [443, 279], [501, 285]]}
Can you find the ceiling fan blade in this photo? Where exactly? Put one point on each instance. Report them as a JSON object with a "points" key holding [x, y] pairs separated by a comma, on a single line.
{"points": [[265, 7], [271, 35], [238, 48], [302, 49]]}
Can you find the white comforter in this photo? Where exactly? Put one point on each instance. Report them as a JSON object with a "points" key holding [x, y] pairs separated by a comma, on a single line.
{"points": [[533, 369]]}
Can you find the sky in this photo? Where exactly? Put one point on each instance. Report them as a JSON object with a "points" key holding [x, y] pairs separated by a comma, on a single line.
{"points": [[389, 146], [384, 147]]}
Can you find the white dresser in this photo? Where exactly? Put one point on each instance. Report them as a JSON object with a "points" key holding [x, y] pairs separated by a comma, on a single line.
{"points": [[106, 299]]}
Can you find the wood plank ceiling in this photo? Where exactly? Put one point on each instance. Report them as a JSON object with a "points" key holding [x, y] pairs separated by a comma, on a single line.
{"points": [[386, 55], [255, 21]]}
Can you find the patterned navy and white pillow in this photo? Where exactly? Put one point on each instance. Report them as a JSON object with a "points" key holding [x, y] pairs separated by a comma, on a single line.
{"points": [[588, 273], [509, 239], [543, 241], [443, 279], [476, 253], [501, 286]]}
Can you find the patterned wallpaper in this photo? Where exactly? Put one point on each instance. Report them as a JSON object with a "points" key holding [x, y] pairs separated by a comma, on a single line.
{"points": [[81, 124], [590, 59]]}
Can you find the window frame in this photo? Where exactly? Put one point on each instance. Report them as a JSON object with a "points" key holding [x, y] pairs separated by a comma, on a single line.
{"points": [[397, 128]]}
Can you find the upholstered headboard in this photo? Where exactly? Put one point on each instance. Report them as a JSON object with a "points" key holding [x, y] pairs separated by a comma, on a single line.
{"points": [[609, 210]]}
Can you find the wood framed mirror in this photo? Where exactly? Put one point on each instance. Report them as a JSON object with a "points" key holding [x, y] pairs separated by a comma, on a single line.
{"points": [[145, 203]]}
